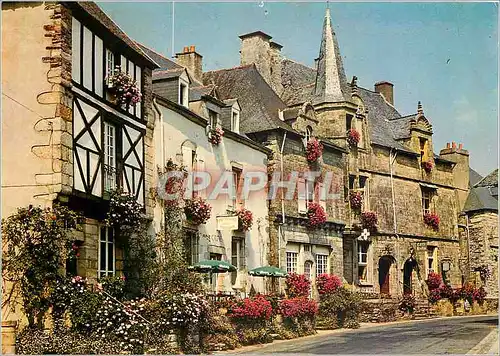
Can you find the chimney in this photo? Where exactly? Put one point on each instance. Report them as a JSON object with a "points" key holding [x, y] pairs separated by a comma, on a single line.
{"points": [[275, 66], [192, 61], [386, 89], [460, 157], [256, 48]]}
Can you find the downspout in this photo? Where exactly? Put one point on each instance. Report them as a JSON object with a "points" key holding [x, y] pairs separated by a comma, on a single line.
{"points": [[392, 159], [162, 146], [280, 227], [466, 226]]}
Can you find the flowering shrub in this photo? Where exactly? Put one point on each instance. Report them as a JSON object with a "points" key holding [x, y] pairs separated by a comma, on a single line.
{"points": [[353, 137], [297, 285], [466, 292], [447, 292], [369, 220], [328, 283], [356, 200], [215, 136], [407, 303], [479, 295], [179, 310], [484, 272], [113, 285], [340, 309], [245, 219], [298, 307], [256, 308], [432, 220], [316, 215], [434, 295], [427, 165], [124, 87], [197, 210], [314, 150], [125, 213], [434, 280]]}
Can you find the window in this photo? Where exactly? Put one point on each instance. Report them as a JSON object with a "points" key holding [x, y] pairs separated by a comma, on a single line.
{"points": [[426, 200], [302, 195], [291, 262], [352, 180], [237, 202], [362, 261], [321, 264], [237, 256], [363, 188], [423, 149], [431, 259], [106, 252], [192, 243], [109, 157], [309, 132], [308, 270], [348, 122], [307, 248], [188, 159], [235, 122], [183, 95], [212, 119], [110, 63], [309, 192]]}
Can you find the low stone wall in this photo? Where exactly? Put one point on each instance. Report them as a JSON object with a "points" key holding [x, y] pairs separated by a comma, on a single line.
{"points": [[445, 308], [9, 337], [381, 311]]}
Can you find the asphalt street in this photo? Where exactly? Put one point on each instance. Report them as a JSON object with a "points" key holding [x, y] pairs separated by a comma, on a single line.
{"points": [[441, 336]]}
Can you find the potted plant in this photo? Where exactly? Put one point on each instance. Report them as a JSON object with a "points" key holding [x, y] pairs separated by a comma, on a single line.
{"points": [[314, 150], [369, 220], [197, 210], [353, 137], [432, 220], [215, 136], [245, 219], [316, 215], [124, 88], [356, 200]]}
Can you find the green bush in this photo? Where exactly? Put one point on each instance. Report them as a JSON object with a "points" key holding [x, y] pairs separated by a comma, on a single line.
{"points": [[340, 309]]}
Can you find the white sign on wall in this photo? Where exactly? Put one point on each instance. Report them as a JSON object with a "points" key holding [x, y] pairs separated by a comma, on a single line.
{"points": [[227, 223]]}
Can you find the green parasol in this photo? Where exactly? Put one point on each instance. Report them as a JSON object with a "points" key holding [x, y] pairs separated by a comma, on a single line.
{"points": [[267, 271], [212, 266]]}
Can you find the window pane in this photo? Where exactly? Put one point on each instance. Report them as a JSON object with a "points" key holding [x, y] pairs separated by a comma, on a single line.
{"points": [[102, 262], [111, 252]]}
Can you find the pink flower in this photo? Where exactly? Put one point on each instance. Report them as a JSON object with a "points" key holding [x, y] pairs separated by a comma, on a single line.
{"points": [[316, 215], [314, 150], [353, 137]]}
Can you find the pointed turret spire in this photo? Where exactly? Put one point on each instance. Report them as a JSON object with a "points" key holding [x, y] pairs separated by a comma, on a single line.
{"points": [[420, 109], [331, 83]]}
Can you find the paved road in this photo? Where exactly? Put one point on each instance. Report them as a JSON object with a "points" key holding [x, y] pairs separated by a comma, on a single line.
{"points": [[442, 336]]}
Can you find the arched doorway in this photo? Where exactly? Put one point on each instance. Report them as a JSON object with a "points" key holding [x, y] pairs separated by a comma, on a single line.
{"points": [[384, 268], [407, 275]]}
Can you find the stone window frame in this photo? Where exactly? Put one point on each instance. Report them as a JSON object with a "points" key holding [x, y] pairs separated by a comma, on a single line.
{"points": [[104, 271], [321, 263], [362, 264], [431, 259], [427, 196]]}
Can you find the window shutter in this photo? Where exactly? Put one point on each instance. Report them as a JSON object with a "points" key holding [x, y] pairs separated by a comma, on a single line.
{"points": [[302, 195]]}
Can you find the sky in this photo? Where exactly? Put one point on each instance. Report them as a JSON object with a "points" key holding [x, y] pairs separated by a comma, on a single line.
{"points": [[442, 54]]}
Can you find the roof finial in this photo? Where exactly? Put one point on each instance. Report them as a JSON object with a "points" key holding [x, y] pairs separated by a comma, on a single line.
{"points": [[328, 4], [354, 85], [420, 109]]}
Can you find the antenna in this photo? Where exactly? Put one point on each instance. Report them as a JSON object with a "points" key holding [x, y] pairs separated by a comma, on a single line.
{"points": [[173, 28]]}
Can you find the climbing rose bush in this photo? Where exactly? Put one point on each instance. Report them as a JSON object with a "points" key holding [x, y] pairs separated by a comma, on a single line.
{"points": [[245, 219], [298, 307], [369, 220], [328, 283], [432, 220], [427, 166], [314, 150], [434, 280], [356, 200], [316, 215], [353, 137], [256, 308], [197, 210], [297, 285]]}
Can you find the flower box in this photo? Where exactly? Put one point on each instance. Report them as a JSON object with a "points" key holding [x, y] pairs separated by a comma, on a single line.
{"points": [[432, 220], [197, 211], [314, 150], [353, 137], [245, 219], [215, 136], [123, 89], [316, 215]]}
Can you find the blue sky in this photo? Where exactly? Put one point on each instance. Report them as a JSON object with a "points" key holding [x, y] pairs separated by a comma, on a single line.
{"points": [[443, 54]]}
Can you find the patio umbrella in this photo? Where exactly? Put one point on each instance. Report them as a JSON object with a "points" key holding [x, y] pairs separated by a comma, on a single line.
{"points": [[212, 266], [267, 271]]}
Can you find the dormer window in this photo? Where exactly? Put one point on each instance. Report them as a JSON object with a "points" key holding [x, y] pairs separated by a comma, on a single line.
{"points": [[183, 94], [235, 121], [309, 132], [212, 119]]}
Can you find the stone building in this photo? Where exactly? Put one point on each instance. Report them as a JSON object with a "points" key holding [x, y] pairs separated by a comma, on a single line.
{"points": [[64, 138], [393, 166], [481, 231], [186, 112]]}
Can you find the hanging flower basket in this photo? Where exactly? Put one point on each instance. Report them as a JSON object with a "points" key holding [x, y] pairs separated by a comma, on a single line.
{"points": [[353, 137], [245, 219], [369, 220], [197, 210], [316, 215], [432, 220], [356, 200], [215, 136], [125, 89], [314, 150], [427, 166]]}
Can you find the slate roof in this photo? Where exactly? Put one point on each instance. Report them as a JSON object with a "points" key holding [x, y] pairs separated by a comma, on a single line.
{"points": [[160, 59], [196, 93], [474, 177], [168, 74], [95, 11], [258, 101], [484, 194], [401, 126]]}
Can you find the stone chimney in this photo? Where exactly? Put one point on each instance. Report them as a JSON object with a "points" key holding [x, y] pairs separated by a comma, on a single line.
{"points": [[387, 90], [460, 156], [275, 66], [192, 61]]}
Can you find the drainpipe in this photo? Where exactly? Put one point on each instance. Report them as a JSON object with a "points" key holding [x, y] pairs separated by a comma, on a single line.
{"points": [[466, 227], [162, 144], [392, 159], [282, 202]]}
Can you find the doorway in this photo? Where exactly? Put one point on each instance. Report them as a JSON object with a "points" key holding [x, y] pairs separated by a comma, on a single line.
{"points": [[384, 267], [407, 275]]}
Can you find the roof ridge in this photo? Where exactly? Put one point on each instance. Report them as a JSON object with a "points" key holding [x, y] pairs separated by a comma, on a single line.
{"points": [[154, 51], [401, 117], [232, 68], [296, 62], [486, 176]]}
